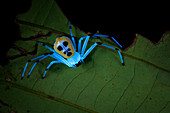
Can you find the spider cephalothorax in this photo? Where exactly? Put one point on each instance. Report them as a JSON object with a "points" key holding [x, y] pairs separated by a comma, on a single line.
{"points": [[65, 51]]}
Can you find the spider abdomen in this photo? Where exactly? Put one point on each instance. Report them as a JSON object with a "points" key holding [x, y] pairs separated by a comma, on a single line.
{"points": [[64, 47]]}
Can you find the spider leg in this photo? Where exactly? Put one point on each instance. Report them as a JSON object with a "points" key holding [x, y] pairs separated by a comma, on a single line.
{"points": [[84, 45], [60, 58], [98, 43], [46, 46], [28, 62], [72, 36], [49, 67], [45, 56], [89, 50], [79, 44], [96, 35], [117, 51]]}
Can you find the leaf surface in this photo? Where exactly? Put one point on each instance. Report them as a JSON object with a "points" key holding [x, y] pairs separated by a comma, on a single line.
{"points": [[101, 84]]}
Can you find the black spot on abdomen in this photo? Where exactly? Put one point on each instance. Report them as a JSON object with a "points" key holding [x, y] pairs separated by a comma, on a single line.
{"points": [[59, 48], [65, 43], [69, 54]]}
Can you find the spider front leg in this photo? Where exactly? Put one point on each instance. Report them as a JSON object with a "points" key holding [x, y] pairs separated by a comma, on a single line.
{"points": [[79, 43], [71, 33], [81, 51]]}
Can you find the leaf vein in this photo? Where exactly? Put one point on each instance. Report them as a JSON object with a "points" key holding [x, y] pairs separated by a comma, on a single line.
{"points": [[125, 89], [147, 94], [48, 13], [164, 107], [102, 89], [86, 86], [70, 83]]}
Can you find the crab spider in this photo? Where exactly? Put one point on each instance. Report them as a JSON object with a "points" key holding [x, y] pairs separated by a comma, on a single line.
{"points": [[65, 51]]}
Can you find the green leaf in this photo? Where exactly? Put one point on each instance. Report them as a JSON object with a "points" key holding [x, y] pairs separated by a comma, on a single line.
{"points": [[101, 84]]}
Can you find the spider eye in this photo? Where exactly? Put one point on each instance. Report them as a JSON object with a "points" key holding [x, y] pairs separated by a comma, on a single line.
{"points": [[69, 54], [59, 48], [65, 43]]}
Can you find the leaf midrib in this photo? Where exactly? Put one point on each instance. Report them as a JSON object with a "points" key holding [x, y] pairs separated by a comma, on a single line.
{"points": [[42, 94]]}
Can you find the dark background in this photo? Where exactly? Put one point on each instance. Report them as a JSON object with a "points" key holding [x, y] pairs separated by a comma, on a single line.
{"points": [[117, 18], [122, 19]]}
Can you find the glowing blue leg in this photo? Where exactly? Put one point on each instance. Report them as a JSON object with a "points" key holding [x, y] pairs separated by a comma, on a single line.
{"points": [[96, 35], [72, 36], [116, 42], [60, 58], [28, 62], [89, 50], [84, 45], [117, 51], [121, 57], [98, 43], [46, 46], [49, 67], [79, 44], [36, 63]]}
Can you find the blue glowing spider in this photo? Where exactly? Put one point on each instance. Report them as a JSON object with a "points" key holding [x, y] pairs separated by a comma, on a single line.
{"points": [[65, 51]]}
